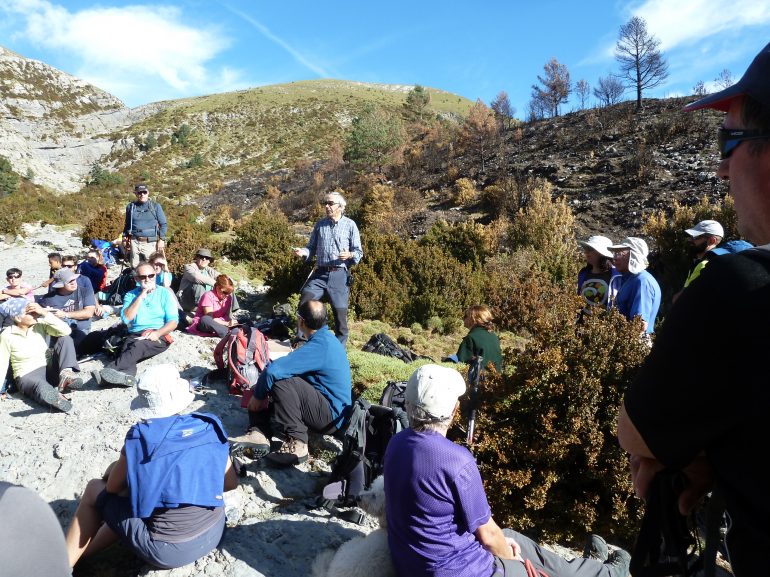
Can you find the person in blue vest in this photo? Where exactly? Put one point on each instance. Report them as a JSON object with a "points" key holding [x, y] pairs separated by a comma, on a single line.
{"points": [[164, 497], [144, 230]]}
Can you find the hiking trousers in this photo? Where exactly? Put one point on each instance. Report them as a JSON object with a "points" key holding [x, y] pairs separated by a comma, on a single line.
{"points": [[38, 380], [334, 285], [207, 324], [141, 251], [296, 406], [551, 563], [135, 350]]}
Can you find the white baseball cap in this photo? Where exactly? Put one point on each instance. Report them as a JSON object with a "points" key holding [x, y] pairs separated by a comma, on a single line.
{"points": [[706, 227], [161, 392], [435, 390]]}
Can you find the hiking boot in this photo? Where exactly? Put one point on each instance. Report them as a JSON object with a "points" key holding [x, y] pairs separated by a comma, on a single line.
{"points": [[52, 397], [596, 548], [115, 377], [292, 452], [253, 444], [619, 562], [69, 380]]}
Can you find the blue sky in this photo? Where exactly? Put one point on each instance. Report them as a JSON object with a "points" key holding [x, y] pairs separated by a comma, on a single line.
{"points": [[146, 51]]}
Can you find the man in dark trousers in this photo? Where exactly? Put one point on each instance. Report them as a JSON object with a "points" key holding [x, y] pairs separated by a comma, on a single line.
{"points": [[708, 417], [336, 245], [144, 231], [149, 314], [310, 388]]}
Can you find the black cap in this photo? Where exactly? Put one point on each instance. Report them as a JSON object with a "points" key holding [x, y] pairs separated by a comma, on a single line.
{"points": [[755, 82], [141, 188]]}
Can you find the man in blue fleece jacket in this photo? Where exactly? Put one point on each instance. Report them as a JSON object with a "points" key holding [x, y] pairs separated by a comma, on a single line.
{"points": [[308, 388]]}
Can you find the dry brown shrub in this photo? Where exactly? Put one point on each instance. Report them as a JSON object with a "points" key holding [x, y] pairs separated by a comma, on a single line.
{"points": [[222, 219], [106, 224], [464, 192], [546, 430]]}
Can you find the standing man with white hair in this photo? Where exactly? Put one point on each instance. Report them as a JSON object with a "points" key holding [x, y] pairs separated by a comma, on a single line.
{"points": [[336, 244], [639, 294]]}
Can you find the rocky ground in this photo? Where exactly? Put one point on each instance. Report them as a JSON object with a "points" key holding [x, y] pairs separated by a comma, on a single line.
{"points": [[274, 528]]}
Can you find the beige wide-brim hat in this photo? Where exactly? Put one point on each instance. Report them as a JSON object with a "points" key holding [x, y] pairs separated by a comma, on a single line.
{"points": [[599, 243], [161, 392]]}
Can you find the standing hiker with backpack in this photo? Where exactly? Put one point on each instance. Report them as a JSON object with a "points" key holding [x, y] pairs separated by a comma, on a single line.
{"points": [[144, 231], [336, 245], [707, 417], [439, 521], [310, 388]]}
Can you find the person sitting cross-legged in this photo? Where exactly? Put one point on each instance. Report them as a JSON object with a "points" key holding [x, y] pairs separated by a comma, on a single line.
{"points": [[438, 518], [310, 388], [149, 314], [164, 497], [212, 317], [25, 346]]}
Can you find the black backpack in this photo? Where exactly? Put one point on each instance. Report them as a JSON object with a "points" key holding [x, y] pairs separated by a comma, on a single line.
{"points": [[394, 395], [119, 287], [370, 428], [382, 344]]}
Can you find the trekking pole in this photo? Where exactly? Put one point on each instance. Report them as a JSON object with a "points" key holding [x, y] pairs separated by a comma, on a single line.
{"points": [[474, 377]]}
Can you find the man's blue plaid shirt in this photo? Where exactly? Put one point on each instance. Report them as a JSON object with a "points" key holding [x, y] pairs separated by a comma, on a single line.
{"points": [[329, 239]]}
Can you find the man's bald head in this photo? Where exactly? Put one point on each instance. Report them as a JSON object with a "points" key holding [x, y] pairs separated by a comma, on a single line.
{"points": [[313, 313]]}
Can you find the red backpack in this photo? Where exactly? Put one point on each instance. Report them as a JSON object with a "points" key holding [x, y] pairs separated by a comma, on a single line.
{"points": [[243, 353]]}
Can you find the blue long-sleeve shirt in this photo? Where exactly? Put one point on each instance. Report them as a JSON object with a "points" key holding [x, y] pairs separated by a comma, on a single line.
{"points": [[330, 238], [323, 363], [639, 295], [145, 219]]}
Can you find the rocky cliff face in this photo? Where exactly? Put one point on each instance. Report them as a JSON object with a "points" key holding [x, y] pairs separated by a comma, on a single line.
{"points": [[53, 126]]}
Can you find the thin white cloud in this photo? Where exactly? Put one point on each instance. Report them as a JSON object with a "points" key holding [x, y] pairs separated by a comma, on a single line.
{"points": [[687, 21], [293, 52], [136, 51]]}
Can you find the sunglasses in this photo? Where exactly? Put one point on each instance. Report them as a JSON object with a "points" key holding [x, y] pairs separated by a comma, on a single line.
{"points": [[140, 192], [329, 203], [728, 139], [146, 276], [10, 276]]}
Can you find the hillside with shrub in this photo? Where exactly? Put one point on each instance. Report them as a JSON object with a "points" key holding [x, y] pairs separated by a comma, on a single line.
{"points": [[457, 206]]}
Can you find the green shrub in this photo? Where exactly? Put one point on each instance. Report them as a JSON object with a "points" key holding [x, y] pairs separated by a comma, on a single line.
{"points": [[401, 281], [184, 241], [9, 180], [100, 176], [222, 219], [467, 241], [464, 192], [435, 324], [546, 431], [264, 241]]}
